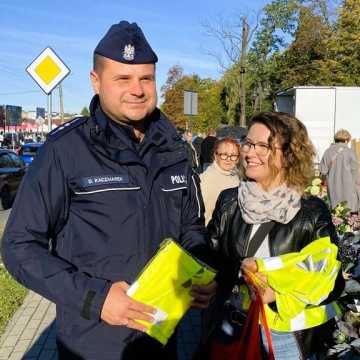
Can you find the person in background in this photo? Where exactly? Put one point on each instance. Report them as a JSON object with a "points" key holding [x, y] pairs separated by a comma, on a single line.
{"points": [[207, 149], [339, 166], [197, 141], [221, 174], [277, 164], [195, 159]]}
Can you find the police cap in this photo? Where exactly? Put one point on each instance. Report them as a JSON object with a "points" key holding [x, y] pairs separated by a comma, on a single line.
{"points": [[126, 43]]}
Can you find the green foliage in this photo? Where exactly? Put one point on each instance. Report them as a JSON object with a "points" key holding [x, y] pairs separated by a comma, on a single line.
{"points": [[346, 46], [231, 94], [308, 61], [85, 111], [300, 43], [210, 111], [11, 297], [297, 42], [277, 24]]}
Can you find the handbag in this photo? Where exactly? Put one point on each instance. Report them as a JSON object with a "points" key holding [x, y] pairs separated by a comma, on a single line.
{"points": [[239, 333]]}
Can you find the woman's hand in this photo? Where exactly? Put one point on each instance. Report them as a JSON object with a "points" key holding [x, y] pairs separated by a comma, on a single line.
{"points": [[249, 264], [267, 294]]}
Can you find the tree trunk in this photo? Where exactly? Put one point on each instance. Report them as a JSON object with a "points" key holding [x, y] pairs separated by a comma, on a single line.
{"points": [[243, 58], [261, 97]]}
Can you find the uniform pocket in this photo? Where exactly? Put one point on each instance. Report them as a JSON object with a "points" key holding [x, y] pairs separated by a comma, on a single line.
{"points": [[173, 195]]}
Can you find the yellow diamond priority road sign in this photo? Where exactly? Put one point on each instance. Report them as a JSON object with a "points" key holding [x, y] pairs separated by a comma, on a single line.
{"points": [[48, 70]]}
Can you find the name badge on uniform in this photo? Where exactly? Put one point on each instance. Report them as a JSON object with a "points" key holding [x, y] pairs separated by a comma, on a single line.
{"points": [[104, 180]]}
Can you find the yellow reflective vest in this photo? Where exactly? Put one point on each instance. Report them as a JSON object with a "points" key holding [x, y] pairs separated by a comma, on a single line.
{"points": [[301, 280]]}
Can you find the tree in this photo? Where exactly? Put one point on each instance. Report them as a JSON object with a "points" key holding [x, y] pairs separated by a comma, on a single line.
{"points": [[310, 58], [234, 39], [230, 94], [277, 24], [347, 42], [85, 111], [210, 111], [174, 74], [172, 93]]}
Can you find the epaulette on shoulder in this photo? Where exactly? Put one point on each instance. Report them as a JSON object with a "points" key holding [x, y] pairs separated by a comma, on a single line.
{"points": [[178, 141], [178, 137], [66, 127]]}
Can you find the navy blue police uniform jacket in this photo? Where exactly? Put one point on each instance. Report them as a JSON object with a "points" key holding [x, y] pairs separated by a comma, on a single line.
{"points": [[92, 209]]}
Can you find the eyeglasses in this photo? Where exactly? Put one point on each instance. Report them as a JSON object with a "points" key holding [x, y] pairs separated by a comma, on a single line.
{"points": [[260, 148], [224, 156]]}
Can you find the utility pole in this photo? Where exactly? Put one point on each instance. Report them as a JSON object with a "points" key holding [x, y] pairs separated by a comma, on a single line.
{"points": [[4, 119], [49, 107], [243, 60], [61, 103]]}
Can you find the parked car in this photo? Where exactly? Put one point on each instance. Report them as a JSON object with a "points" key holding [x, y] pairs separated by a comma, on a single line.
{"points": [[12, 170], [28, 151], [11, 141]]}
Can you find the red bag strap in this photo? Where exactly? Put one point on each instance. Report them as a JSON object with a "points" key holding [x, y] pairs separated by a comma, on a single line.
{"points": [[267, 330], [249, 345], [258, 285]]}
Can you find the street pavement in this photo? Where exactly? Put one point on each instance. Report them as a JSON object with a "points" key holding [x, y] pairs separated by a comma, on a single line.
{"points": [[30, 334]]}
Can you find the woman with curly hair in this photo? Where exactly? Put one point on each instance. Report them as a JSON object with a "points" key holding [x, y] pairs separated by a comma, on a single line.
{"points": [[259, 222]]}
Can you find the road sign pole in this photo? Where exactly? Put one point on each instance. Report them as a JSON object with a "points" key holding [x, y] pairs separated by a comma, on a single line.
{"points": [[5, 119], [49, 103], [190, 107]]}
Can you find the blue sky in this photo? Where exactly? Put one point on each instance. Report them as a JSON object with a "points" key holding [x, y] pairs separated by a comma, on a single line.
{"points": [[73, 28]]}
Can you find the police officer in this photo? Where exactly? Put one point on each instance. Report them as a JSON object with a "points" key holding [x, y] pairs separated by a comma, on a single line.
{"points": [[102, 194]]}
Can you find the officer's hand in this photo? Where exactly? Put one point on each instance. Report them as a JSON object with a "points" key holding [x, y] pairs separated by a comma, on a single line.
{"points": [[120, 309], [202, 295]]}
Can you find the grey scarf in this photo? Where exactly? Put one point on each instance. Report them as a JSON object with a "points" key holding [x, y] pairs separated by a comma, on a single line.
{"points": [[259, 206]]}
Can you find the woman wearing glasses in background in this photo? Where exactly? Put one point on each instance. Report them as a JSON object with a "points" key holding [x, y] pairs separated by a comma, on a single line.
{"points": [[277, 163], [221, 174]]}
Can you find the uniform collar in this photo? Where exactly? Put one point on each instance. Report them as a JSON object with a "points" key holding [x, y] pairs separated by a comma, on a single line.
{"points": [[158, 131], [118, 144]]}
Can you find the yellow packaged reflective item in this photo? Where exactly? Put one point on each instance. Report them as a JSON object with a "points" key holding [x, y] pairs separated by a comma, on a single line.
{"points": [[165, 284]]}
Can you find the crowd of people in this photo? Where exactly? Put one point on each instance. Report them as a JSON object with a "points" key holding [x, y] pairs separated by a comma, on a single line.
{"points": [[106, 190], [16, 139]]}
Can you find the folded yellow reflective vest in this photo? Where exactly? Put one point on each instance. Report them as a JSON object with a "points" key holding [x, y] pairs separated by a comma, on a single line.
{"points": [[302, 280], [165, 284]]}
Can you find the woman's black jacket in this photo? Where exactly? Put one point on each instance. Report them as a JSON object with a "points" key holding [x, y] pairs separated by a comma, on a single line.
{"points": [[229, 236]]}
